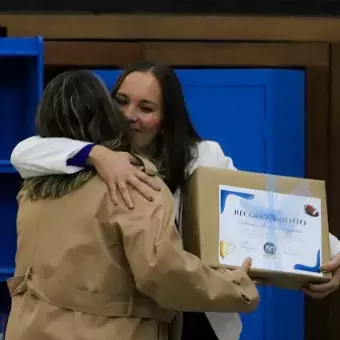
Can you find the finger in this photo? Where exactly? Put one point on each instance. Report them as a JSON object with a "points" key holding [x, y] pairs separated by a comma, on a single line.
{"points": [[125, 194], [150, 181], [323, 287], [332, 265], [257, 281], [133, 160], [261, 282], [247, 264], [315, 295], [312, 294], [113, 193], [142, 188]]}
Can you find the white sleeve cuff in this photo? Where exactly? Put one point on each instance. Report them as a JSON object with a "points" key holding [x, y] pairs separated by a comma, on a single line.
{"points": [[334, 245], [38, 156]]}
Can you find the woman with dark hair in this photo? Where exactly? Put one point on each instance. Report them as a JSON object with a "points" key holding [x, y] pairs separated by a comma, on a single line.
{"points": [[150, 96], [176, 136], [89, 269]]}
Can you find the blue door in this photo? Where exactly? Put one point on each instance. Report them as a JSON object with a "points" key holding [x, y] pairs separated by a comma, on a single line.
{"points": [[258, 118]]}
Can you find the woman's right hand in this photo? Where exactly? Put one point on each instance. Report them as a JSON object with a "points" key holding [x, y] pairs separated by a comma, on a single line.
{"points": [[246, 265], [118, 171]]}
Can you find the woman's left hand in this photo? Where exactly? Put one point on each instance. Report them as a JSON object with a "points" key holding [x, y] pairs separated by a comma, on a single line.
{"points": [[320, 291]]}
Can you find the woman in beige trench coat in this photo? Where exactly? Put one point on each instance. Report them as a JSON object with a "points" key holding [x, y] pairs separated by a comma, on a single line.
{"points": [[87, 268]]}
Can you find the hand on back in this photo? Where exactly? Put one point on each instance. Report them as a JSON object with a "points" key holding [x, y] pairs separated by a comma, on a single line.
{"points": [[119, 171]]}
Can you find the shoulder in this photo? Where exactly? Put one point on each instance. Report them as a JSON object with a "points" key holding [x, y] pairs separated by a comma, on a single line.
{"points": [[209, 145], [209, 153], [161, 209]]}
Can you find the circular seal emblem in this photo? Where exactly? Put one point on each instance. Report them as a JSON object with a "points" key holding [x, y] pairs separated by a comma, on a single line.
{"points": [[269, 248]]}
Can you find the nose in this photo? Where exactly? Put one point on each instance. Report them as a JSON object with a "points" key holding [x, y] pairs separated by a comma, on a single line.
{"points": [[130, 113]]}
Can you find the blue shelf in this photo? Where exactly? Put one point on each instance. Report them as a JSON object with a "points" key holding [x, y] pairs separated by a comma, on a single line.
{"points": [[21, 86], [21, 47], [6, 273], [6, 168], [10, 186]]}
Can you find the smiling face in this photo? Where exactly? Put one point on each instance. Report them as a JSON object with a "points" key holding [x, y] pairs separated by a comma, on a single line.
{"points": [[139, 98]]}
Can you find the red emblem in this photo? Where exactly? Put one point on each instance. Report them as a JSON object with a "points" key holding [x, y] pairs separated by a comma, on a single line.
{"points": [[311, 211]]}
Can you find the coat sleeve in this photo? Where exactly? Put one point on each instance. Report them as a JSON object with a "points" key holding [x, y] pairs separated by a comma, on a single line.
{"points": [[176, 279], [36, 156]]}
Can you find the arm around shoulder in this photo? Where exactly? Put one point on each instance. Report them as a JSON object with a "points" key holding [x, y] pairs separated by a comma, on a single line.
{"points": [[172, 277]]}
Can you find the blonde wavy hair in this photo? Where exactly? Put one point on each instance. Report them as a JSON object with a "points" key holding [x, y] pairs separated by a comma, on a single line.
{"points": [[76, 105]]}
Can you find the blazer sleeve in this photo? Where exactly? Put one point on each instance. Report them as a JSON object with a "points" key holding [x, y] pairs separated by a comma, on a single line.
{"points": [[209, 153], [176, 279], [37, 156], [334, 245]]}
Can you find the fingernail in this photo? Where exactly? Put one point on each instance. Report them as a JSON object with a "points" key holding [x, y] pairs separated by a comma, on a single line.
{"points": [[150, 198], [130, 205], [322, 269], [158, 189], [115, 202]]}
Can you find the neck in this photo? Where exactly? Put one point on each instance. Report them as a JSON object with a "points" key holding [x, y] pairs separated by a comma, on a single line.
{"points": [[151, 152]]}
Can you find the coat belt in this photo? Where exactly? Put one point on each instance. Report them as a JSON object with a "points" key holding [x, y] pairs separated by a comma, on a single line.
{"points": [[83, 301]]}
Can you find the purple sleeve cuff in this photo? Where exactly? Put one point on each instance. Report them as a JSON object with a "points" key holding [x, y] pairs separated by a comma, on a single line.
{"points": [[80, 158]]}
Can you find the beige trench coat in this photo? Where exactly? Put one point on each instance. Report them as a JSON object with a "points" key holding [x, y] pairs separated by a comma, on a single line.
{"points": [[89, 270]]}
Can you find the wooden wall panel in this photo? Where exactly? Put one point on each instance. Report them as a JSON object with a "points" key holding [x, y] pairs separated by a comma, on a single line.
{"points": [[334, 173], [173, 27], [238, 54], [317, 167], [317, 122], [334, 188], [187, 54], [85, 53]]}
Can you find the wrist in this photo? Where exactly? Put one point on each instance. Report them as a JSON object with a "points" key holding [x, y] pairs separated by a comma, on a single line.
{"points": [[94, 155], [80, 159], [97, 153]]}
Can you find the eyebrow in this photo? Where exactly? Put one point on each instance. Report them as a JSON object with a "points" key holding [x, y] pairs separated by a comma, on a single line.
{"points": [[143, 101], [149, 102], [120, 94]]}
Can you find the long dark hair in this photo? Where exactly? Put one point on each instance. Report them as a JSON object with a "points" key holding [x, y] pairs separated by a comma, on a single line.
{"points": [[178, 140], [77, 105]]}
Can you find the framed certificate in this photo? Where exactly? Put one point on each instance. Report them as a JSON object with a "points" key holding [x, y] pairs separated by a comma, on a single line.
{"points": [[281, 232]]}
